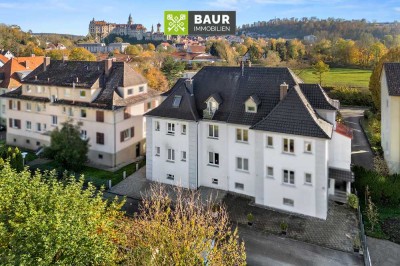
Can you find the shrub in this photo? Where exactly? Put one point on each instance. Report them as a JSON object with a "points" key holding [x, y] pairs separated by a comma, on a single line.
{"points": [[352, 200], [284, 226], [351, 96], [250, 217]]}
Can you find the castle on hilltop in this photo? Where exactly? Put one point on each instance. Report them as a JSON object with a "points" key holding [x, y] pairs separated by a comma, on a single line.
{"points": [[100, 29]]}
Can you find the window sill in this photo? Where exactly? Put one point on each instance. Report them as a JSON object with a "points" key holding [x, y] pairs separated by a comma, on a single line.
{"points": [[289, 185], [289, 153], [183, 160], [243, 171], [169, 161], [242, 142], [157, 130], [183, 134], [158, 155], [270, 177], [170, 134], [308, 152], [308, 184], [213, 165], [212, 137]]}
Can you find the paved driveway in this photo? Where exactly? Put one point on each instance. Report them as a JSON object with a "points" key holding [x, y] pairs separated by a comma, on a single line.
{"points": [[272, 250], [361, 153]]}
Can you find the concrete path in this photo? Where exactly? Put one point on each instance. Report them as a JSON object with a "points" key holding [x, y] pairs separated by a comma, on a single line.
{"points": [[273, 250], [134, 185], [361, 152], [383, 252]]}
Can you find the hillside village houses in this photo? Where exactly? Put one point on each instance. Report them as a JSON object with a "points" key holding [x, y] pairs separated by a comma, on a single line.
{"points": [[390, 115], [107, 99], [256, 131]]}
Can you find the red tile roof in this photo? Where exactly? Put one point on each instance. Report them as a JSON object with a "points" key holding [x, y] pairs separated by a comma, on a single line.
{"points": [[10, 69], [3, 59], [344, 130]]}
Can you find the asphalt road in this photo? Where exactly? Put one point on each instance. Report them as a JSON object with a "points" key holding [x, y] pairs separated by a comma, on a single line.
{"points": [[361, 153], [263, 250]]}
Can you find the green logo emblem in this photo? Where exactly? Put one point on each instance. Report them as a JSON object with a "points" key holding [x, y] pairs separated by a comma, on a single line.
{"points": [[176, 22]]}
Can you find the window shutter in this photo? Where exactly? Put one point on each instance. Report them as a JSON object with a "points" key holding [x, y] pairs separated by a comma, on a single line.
{"points": [[10, 122], [132, 132], [99, 116], [122, 136], [10, 104], [19, 105]]}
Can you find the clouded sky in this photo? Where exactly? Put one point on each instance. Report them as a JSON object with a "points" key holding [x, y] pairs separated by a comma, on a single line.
{"points": [[73, 16]]}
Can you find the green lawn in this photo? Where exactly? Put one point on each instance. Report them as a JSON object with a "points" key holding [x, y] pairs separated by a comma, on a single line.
{"points": [[96, 176], [358, 78]]}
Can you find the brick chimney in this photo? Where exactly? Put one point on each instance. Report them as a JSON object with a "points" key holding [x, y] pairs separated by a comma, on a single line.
{"points": [[283, 90], [189, 85], [46, 63], [107, 67]]}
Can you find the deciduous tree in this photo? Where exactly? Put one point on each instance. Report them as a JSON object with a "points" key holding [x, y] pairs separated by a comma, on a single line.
{"points": [[81, 54], [319, 69], [172, 69]]}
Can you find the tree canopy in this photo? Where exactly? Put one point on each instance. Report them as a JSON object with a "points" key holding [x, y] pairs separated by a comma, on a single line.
{"points": [[81, 54], [172, 69]]}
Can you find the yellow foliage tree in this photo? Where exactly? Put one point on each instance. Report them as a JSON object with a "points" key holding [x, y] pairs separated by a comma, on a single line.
{"points": [[156, 79], [81, 54]]}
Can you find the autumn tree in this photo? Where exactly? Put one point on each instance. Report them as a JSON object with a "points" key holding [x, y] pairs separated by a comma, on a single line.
{"points": [[118, 40], [156, 79], [151, 47], [81, 54], [57, 54], [182, 230], [172, 69], [67, 147], [393, 55], [319, 69], [47, 222]]}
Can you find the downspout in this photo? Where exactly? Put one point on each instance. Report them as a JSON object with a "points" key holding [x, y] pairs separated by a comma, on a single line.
{"points": [[115, 140]]}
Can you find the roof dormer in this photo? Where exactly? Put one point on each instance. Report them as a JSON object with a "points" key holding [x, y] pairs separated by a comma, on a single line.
{"points": [[252, 103], [213, 102]]}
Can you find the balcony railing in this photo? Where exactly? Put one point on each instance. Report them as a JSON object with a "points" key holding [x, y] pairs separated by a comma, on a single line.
{"points": [[208, 114]]}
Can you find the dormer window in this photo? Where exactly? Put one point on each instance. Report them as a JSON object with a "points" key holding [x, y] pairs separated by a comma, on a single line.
{"points": [[252, 103], [213, 103], [177, 101]]}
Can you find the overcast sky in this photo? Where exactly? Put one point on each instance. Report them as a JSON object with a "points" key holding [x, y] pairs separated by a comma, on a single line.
{"points": [[73, 16]]}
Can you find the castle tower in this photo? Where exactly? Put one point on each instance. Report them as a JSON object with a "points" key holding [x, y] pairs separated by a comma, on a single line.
{"points": [[130, 21], [158, 27], [152, 28]]}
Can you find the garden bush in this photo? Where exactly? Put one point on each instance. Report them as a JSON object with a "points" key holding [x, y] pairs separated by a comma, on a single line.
{"points": [[384, 190], [351, 96]]}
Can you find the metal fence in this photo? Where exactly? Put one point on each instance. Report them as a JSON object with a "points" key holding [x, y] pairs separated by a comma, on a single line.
{"points": [[363, 237]]}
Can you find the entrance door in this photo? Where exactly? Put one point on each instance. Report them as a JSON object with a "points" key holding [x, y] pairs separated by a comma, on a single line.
{"points": [[138, 150]]}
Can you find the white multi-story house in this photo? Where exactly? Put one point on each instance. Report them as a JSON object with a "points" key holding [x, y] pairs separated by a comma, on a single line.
{"points": [[107, 99], [256, 131], [390, 115]]}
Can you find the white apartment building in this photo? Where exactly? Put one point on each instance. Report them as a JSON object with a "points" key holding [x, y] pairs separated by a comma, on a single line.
{"points": [[390, 115], [107, 99], [257, 131]]}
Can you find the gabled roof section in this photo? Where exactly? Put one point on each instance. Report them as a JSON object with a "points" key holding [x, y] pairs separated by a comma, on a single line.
{"points": [[216, 97], [294, 115], [187, 107], [255, 99], [317, 97], [392, 71], [11, 79], [131, 77]]}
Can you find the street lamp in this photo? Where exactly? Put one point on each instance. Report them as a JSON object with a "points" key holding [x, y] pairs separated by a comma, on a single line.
{"points": [[23, 157]]}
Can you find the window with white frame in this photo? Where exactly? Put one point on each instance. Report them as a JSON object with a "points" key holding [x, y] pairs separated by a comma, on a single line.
{"points": [[213, 158], [38, 127], [126, 134], [239, 186], [170, 177], [28, 88], [83, 134], [14, 105], [171, 155], [158, 150], [288, 202], [183, 129], [38, 107], [39, 89], [308, 178], [83, 113], [28, 125], [28, 106], [67, 93], [270, 172], [54, 120], [270, 142], [288, 177], [82, 93], [171, 128], [213, 131], [70, 111], [3, 108], [130, 91], [157, 125], [307, 147], [242, 164], [242, 135], [288, 145], [183, 156], [141, 88]]}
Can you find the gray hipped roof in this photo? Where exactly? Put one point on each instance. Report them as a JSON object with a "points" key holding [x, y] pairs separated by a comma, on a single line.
{"points": [[392, 71]]}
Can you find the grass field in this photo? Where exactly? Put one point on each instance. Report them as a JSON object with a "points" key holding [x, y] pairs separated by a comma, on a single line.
{"points": [[358, 78]]}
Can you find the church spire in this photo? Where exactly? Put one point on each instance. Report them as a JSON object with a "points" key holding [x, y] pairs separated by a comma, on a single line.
{"points": [[130, 21]]}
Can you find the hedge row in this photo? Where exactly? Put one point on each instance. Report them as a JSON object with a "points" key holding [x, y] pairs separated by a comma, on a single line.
{"points": [[351, 96]]}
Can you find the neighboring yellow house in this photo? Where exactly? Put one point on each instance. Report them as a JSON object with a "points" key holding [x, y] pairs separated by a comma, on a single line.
{"points": [[107, 99], [390, 115]]}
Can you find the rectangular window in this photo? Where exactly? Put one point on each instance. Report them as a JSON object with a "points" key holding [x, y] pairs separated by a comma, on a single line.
{"points": [[242, 135], [157, 126], [148, 105], [100, 138], [183, 156], [100, 116], [64, 109], [171, 128], [288, 177], [288, 145], [307, 147], [28, 106], [28, 88], [3, 108], [127, 134], [130, 91], [307, 179], [214, 181], [67, 92], [183, 130], [54, 120], [70, 111], [213, 131], [171, 155], [213, 158], [83, 134], [170, 177], [14, 105], [28, 125], [288, 202], [239, 186], [83, 113], [141, 88], [250, 109], [242, 164], [38, 127], [82, 93], [39, 89], [158, 151], [270, 142], [270, 172]]}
